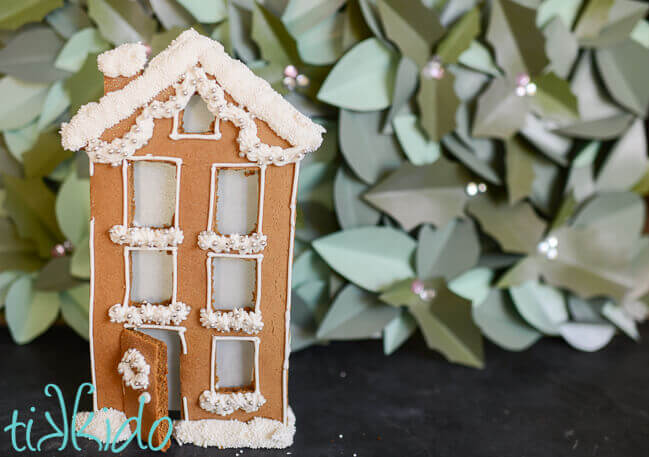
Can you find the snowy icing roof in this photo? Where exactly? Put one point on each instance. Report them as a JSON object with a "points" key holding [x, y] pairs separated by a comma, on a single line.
{"points": [[185, 65]]}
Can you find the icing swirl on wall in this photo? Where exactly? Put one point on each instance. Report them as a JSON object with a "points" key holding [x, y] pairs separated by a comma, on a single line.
{"points": [[134, 370]]}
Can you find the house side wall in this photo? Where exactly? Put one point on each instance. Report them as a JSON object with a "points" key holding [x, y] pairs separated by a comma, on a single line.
{"points": [[106, 209]]}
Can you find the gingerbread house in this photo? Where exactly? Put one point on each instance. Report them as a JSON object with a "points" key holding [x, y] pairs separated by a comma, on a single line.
{"points": [[193, 179]]}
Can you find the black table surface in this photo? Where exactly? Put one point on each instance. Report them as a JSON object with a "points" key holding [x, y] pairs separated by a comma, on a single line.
{"points": [[351, 400]]}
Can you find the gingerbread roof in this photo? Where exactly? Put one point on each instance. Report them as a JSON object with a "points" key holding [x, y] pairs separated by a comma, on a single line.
{"points": [[185, 65]]}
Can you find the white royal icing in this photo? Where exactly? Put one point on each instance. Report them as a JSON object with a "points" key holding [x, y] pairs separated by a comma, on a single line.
{"points": [[178, 66], [147, 313], [97, 425], [146, 236], [243, 244], [224, 404], [257, 433], [125, 60], [134, 370], [237, 320]]}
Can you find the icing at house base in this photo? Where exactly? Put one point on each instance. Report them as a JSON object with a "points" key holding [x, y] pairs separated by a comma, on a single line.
{"points": [[97, 426], [256, 433]]}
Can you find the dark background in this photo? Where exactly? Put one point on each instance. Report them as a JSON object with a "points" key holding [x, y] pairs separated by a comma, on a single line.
{"points": [[548, 401]]}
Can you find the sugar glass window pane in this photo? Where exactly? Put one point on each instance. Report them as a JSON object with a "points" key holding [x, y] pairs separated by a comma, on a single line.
{"points": [[233, 282], [154, 186], [196, 117], [237, 200], [235, 363], [151, 276]]}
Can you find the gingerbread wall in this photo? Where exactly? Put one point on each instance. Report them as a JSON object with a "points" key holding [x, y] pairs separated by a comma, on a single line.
{"points": [[106, 208]]}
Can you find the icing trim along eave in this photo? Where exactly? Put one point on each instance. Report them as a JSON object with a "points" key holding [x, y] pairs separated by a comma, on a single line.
{"points": [[173, 64]]}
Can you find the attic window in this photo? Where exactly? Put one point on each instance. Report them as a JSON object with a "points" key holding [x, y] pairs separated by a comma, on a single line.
{"points": [[195, 121]]}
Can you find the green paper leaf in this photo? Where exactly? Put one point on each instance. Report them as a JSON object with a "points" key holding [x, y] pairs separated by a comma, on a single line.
{"points": [[277, 46], [80, 261], [300, 16], [323, 43], [372, 257], [448, 327], [553, 145], [55, 104], [17, 13], [171, 15], [542, 306], [308, 267], [316, 184], [355, 28], [10, 166], [565, 10], [499, 321], [86, 85], [45, 155], [619, 213], [517, 228], [554, 100], [121, 21], [518, 43], [427, 194], [587, 337], [418, 149], [161, 41], [363, 79], [30, 54], [313, 221], [73, 208], [470, 159], [370, 13], [21, 102], [31, 206], [623, 68], [75, 309], [474, 284], [640, 33], [206, 12], [240, 23], [6, 279], [405, 85], [303, 324], [355, 314], [581, 181], [621, 319], [561, 47], [75, 51], [627, 162], [351, 210], [519, 163], [68, 19], [398, 331], [438, 104], [620, 21], [501, 112], [368, 153], [55, 276], [16, 253], [21, 140], [468, 84], [459, 37], [447, 251], [29, 313], [478, 57], [593, 18], [412, 26], [525, 270]]}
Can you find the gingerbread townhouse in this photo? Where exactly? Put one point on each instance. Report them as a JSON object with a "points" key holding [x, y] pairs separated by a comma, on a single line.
{"points": [[194, 168]]}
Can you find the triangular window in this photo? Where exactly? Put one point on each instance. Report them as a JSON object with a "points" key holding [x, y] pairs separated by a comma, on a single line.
{"points": [[195, 121]]}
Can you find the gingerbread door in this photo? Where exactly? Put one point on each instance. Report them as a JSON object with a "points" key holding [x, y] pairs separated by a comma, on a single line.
{"points": [[143, 368]]}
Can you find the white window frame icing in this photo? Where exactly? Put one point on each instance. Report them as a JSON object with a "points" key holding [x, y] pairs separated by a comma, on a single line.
{"points": [[256, 257], [176, 135], [254, 339], [127, 271], [260, 194], [125, 183]]}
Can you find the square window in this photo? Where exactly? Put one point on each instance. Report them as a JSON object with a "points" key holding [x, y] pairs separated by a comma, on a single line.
{"points": [[234, 282], [151, 276], [154, 193], [235, 363], [237, 200]]}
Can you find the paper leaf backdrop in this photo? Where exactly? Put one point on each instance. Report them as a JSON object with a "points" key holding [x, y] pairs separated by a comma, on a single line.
{"points": [[482, 176]]}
